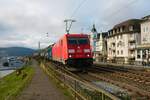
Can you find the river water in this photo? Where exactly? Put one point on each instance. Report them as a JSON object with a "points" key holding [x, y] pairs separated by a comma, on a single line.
{"points": [[16, 63], [6, 72]]}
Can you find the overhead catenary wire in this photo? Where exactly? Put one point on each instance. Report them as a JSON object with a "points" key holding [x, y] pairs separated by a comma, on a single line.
{"points": [[107, 17], [77, 8], [113, 14], [120, 9], [68, 26], [117, 11]]}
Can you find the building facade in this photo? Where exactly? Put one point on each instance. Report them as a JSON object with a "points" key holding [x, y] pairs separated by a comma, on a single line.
{"points": [[122, 41], [143, 50], [99, 44], [101, 47], [93, 37]]}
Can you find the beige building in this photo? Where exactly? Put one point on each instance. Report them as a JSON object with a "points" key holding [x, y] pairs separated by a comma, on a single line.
{"points": [[122, 41], [143, 50]]}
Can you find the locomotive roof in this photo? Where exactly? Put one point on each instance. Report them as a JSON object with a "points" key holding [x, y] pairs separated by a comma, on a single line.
{"points": [[76, 35]]}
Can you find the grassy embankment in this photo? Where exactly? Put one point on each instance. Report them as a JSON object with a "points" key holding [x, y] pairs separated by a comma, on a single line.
{"points": [[11, 85]]}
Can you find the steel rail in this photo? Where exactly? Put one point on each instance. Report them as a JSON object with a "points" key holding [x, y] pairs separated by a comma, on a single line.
{"points": [[86, 84]]}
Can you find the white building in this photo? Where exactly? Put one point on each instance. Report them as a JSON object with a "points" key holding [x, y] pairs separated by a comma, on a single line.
{"points": [[122, 41], [99, 44], [143, 50], [93, 37], [101, 47]]}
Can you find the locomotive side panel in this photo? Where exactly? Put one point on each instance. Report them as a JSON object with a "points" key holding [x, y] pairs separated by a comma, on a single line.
{"points": [[73, 50], [64, 49], [59, 50]]}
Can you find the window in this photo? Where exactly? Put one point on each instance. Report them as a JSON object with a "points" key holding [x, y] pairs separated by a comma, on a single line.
{"points": [[118, 52], [115, 30], [146, 29], [118, 30], [121, 36], [123, 28], [83, 41], [113, 44], [122, 52], [117, 44], [143, 29], [114, 51], [72, 41], [144, 54], [130, 28], [117, 37], [78, 41], [138, 54], [131, 35]]}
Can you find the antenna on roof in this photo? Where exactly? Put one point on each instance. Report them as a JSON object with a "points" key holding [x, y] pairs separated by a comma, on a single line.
{"points": [[68, 24], [47, 34], [39, 45]]}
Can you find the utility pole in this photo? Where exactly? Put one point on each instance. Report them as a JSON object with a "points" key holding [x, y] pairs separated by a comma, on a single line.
{"points": [[39, 45], [82, 30], [68, 24], [47, 34]]}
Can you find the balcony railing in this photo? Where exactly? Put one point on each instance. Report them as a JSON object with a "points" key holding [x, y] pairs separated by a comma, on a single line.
{"points": [[131, 39], [131, 55], [131, 46]]}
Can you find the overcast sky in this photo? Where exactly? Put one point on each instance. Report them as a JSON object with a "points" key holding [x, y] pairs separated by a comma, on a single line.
{"points": [[25, 22]]}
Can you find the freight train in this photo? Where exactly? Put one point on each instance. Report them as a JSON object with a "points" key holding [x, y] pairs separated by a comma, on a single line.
{"points": [[73, 50]]}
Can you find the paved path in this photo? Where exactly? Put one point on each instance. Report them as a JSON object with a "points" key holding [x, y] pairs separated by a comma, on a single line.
{"points": [[41, 88]]}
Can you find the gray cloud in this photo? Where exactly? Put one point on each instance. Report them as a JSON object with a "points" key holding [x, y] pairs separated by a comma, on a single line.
{"points": [[5, 28], [27, 21]]}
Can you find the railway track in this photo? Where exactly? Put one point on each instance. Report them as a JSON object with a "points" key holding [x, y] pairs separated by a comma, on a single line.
{"points": [[136, 82], [134, 92], [139, 77], [96, 73], [61, 67]]}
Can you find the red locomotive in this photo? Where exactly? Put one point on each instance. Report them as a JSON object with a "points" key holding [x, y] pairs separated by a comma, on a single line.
{"points": [[73, 50]]}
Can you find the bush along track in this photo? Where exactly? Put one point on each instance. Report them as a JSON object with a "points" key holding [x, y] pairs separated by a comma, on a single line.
{"points": [[13, 84]]}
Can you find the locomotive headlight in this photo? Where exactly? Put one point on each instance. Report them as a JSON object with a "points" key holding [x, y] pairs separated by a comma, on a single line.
{"points": [[88, 55], [71, 51], [86, 50], [70, 56]]}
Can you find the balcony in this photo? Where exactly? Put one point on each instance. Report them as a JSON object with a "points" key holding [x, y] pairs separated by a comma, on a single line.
{"points": [[131, 47], [132, 55], [132, 39], [113, 47]]}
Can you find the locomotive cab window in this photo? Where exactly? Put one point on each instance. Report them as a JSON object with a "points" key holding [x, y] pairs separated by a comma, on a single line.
{"points": [[78, 41], [82, 41], [72, 41]]}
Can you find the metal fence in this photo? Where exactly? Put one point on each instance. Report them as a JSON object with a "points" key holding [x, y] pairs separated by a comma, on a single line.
{"points": [[130, 63], [81, 90]]}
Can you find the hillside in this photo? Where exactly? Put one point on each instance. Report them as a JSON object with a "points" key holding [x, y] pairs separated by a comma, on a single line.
{"points": [[16, 51]]}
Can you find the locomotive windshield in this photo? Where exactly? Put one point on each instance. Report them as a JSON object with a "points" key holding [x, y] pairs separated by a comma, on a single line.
{"points": [[78, 41]]}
